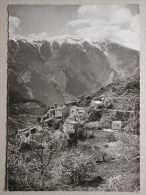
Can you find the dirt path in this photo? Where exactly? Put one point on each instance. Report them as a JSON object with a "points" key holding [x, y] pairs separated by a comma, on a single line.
{"points": [[110, 130], [131, 111]]}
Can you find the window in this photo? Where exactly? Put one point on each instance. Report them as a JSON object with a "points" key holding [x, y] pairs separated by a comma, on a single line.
{"points": [[33, 131], [26, 134]]}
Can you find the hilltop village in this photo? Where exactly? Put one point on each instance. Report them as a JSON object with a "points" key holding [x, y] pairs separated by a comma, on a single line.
{"points": [[66, 119], [56, 146], [86, 112]]}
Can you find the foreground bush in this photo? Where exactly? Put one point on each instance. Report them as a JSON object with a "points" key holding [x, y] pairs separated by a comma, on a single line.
{"points": [[111, 137], [28, 168], [73, 167], [131, 149]]}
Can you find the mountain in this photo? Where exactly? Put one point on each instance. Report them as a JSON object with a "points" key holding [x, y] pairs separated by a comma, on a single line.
{"points": [[123, 98], [57, 70]]}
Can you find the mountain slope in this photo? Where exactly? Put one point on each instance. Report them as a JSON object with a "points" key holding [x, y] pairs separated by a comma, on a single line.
{"points": [[59, 70], [121, 100]]}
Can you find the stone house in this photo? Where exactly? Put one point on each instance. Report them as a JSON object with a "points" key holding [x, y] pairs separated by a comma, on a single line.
{"points": [[97, 104], [78, 113], [81, 115], [62, 111], [59, 112], [116, 125], [26, 134], [51, 112], [69, 125], [74, 110]]}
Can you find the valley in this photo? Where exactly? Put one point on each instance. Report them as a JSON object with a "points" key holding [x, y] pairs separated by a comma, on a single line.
{"points": [[72, 151], [66, 67]]}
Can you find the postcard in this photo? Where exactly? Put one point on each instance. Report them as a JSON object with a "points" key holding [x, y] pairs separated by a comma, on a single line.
{"points": [[73, 97]]}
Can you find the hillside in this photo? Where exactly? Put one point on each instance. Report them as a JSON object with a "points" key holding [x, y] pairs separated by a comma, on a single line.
{"points": [[104, 159], [122, 98], [121, 92], [60, 69]]}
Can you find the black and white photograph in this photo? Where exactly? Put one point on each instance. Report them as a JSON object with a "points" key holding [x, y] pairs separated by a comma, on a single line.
{"points": [[73, 98]]}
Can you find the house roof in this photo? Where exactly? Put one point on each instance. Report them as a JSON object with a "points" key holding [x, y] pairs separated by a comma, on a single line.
{"points": [[70, 122], [116, 122], [97, 102]]}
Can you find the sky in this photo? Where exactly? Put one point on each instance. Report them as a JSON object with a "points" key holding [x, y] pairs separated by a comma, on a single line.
{"points": [[120, 23]]}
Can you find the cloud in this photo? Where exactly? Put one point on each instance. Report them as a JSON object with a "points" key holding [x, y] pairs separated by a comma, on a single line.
{"points": [[38, 36], [107, 21], [14, 24], [78, 22]]}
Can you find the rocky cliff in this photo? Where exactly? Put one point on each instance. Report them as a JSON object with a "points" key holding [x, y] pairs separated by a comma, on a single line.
{"points": [[58, 70]]}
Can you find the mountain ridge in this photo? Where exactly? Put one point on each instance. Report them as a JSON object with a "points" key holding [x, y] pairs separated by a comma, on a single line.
{"points": [[61, 71], [65, 38]]}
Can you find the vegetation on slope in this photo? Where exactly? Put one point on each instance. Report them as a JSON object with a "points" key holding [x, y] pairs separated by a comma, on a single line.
{"points": [[94, 160]]}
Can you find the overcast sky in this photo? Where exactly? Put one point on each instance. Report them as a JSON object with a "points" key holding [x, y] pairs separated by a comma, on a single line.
{"points": [[120, 23]]}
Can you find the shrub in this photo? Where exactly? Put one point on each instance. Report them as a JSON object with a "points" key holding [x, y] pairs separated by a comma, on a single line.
{"points": [[95, 115], [106, 146], [129, 145], [81, 134], [19, 170], [111, 137], [73, 167], [131, 149], [90, 134], [73, 139], [110, 106], [115, 183], [133, 124], [29, 169], [86, 103]]}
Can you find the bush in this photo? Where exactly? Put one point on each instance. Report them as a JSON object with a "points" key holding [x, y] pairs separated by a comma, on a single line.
{"points": [[38, 119], [133, 124], [95, 115], [19, 170], [81, 134], [110, 106], [86, 103], [90, 135], [29, 169], [73, 139], [92, 125], [131, 149], [73, 167], [111, 137]]}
